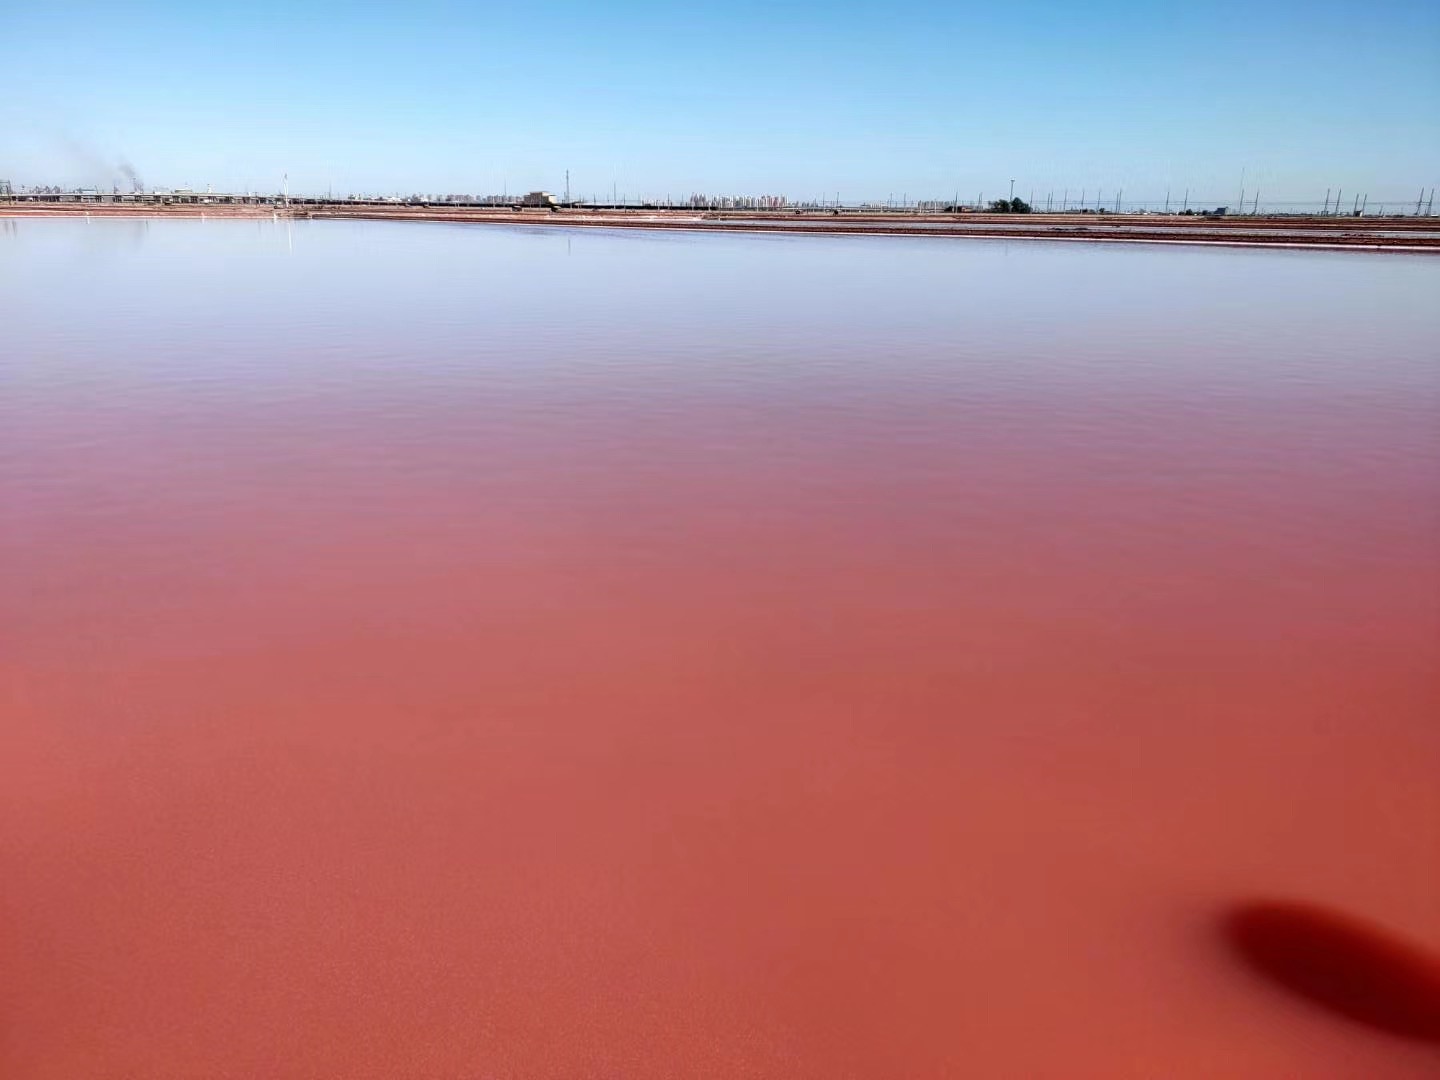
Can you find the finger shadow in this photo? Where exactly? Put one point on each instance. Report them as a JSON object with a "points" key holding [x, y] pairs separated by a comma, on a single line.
{"points": [[1340, 963]]}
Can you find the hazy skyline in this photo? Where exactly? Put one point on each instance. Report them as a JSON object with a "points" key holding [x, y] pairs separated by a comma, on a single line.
{"points": [[807, 100]]}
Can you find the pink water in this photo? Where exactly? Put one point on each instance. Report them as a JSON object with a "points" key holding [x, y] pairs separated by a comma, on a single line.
{"points": [[440, 651]]}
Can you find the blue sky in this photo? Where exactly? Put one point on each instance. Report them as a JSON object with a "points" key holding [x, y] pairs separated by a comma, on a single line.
{"points": [[918, 99]]}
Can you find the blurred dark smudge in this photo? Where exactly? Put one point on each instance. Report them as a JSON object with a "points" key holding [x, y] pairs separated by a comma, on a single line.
{"points": [[1344, 964]]}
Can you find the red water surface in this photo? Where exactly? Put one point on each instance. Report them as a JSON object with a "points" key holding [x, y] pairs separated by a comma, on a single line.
{"points": [[404, 675]]}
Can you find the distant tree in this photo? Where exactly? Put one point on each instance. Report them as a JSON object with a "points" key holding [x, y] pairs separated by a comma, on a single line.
{"points": [[1010, 206]]}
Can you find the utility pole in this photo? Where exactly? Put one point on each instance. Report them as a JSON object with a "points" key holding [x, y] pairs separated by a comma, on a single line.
{"points": [[1117, 199], [567, 185], [1364, 202], [1355, 210], [1012, 191], [1187, 199], [1326, 210], [1430, 206], [1337, 202], [1167, 200], [1419, 201], [1242, 191], [1065, 201], [1255, 209]]}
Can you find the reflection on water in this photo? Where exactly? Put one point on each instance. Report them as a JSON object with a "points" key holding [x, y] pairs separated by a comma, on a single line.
{"points": [[547, 652]]}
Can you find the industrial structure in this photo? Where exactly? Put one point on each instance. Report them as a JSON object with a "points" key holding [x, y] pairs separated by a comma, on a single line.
{"points": [[1065, 204]]}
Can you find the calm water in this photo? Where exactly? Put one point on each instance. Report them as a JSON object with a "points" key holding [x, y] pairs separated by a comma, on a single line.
{"points": [[442, 651]]}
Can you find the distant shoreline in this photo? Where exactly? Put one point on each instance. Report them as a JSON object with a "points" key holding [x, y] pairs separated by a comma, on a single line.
{"points": [[1397, 234]]}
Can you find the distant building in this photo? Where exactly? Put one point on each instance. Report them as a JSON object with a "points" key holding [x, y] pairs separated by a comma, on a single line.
{"points": [[701, 201], [540, 198]]}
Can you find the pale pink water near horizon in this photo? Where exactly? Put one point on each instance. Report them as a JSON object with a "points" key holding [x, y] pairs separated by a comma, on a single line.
{"points": [[432, 650]]}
